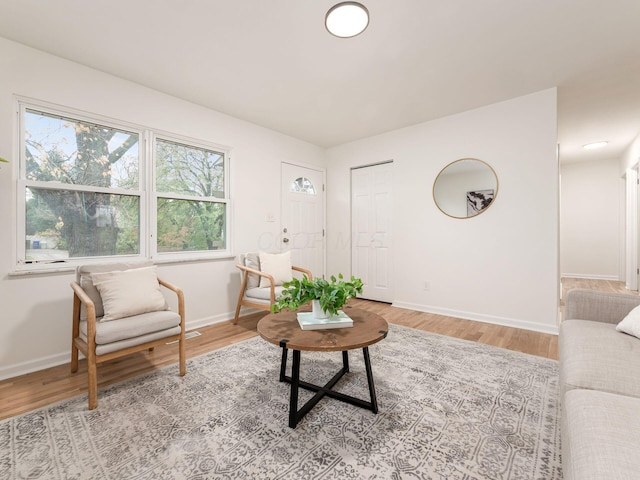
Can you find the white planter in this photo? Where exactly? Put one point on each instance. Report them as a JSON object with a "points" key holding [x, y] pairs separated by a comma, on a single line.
{"points": [[317, 310]]}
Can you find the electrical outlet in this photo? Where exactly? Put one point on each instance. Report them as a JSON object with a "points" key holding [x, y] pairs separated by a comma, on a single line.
{"points": [[427, 286]]}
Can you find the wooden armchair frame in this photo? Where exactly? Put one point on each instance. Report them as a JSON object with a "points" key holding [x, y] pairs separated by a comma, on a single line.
{"points": [[88, 348], [262, 306]]}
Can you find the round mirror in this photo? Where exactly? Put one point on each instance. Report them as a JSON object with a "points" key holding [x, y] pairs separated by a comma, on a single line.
{"points": [[465, 188]]}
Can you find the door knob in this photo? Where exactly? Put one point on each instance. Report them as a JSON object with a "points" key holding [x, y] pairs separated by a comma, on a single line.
{"points": [[285, 240]]}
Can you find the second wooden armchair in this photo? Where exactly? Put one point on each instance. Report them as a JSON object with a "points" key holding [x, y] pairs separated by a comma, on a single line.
{"points": [[259, 289]]}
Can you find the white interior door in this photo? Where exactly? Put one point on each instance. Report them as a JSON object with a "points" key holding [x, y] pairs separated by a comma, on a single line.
{"points": [[371, 230], [302, 228]]}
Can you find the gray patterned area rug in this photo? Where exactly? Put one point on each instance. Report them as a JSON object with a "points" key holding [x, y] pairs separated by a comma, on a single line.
{"points": [[449, 409]]}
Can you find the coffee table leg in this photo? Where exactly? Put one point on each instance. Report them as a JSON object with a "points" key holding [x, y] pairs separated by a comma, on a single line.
{"points": [[372, 388], [283, 364], [295, 383], [345, 361]]}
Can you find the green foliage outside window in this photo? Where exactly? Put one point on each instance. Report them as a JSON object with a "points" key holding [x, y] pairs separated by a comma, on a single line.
{"points": [[83, 196], [193, 221]]}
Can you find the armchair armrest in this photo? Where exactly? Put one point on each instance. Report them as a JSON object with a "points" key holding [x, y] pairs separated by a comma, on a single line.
{"points": [[81, 297], [84, 298], [247, 270], [583, 304], [303, 270], [180, 294], [272, 283]]}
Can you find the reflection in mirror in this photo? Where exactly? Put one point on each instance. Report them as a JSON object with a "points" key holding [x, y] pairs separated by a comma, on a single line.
{"points": [[465, 188]]}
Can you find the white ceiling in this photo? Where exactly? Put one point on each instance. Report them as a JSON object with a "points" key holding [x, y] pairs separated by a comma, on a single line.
{"points": [[272, 62]]}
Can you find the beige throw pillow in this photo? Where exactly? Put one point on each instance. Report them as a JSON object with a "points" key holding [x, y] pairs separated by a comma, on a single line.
{"points": [[277, 265], [129, 292], [631, 323]]}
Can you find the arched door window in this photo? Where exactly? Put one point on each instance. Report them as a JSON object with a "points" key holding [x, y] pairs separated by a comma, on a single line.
{"points": [[303, 185]]}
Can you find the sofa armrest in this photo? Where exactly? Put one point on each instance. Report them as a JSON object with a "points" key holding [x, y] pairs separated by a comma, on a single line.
{"points": [[583, 304]]}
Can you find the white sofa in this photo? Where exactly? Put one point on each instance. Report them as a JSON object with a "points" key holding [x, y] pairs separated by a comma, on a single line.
{"points": [[599, 388]]}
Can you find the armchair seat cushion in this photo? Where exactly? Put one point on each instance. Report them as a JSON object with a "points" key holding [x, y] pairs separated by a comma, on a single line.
{"points": [[132, 327], [262, 293], [132, 342]]}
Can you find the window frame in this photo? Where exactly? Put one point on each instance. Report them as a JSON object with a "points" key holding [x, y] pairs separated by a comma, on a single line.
{"points": [[146, 192], [187, 255]]}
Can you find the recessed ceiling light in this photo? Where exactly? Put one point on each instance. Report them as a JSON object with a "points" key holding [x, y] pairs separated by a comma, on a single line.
{"points": [[591, 146], [347, 19]]}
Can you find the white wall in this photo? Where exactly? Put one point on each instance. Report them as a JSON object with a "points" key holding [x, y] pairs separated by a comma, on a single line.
{"points": [[630, 159], [500, 266], [36, 309], [631, 156], [590, 219]]}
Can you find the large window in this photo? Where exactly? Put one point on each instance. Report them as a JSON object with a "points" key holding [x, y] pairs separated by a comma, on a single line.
{"points": [[190, 182], [88, 188]]}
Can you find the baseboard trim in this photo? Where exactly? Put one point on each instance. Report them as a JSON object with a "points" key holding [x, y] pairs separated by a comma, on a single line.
{"points": [[61, 358], [612, 278], [34, 365], [211, 320], [478, 317], [65, 357]]}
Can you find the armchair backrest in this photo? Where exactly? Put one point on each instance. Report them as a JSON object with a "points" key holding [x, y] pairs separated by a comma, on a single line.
{"points": [[83, 277], [251, 260]]}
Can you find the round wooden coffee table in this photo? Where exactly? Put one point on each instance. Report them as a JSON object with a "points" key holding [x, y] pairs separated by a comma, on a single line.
{"points": [[282, 329]]}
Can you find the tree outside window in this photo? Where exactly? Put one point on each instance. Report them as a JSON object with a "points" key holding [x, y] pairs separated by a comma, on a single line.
{"points": [[84, 193], [190, 182]]}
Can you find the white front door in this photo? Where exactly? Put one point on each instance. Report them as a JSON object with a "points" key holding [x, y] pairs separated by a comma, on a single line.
{"points": [[302, 227], [371, 230]]}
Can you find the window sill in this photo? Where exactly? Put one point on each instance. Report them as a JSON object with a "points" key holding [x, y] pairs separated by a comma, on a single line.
{"points": [[70, 266]]}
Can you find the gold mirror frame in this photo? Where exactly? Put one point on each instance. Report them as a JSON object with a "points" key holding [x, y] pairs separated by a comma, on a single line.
{"points": [[481, 192]]}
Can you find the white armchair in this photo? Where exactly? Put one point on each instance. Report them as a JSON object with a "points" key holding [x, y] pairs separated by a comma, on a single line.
{"points": [[118, 309], [259, 289]]}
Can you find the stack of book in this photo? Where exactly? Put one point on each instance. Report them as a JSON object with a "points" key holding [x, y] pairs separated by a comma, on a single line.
{"points": [[308, 322]]}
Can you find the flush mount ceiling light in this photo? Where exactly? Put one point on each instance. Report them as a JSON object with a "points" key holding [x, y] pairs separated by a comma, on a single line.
{"points": [[347, 19], [591, 146]]}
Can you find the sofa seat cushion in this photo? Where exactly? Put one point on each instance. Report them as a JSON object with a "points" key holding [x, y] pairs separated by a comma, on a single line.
{"points": [[602, 436], [262, 293], [131, 327], [594, 356]]}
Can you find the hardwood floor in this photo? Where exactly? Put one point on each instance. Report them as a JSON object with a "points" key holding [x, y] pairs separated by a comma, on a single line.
{"points": [[606, 285], [27, 392]]}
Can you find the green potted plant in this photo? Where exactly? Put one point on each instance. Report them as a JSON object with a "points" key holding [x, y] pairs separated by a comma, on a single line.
{"points": [[327, 296]]}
